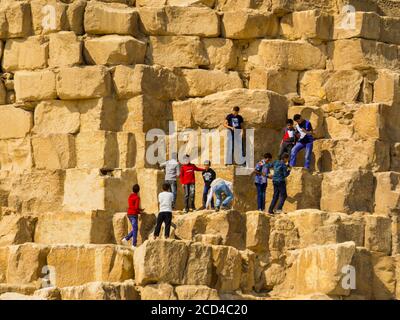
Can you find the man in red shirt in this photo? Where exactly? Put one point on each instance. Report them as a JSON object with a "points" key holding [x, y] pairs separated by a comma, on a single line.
{"points": [[188, 180], [133, 215]]}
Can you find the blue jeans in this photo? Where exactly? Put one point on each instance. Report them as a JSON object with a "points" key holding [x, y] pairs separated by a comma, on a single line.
{"points": [[296, 149], [133, 234], [174, 190], [205, 193], [220, 189], [261, 189], [279, 194]]}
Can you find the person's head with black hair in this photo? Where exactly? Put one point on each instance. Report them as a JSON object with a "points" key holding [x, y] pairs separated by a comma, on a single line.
{"points": [[298, 118], [235, 110], [285, 157], [268, 156], [135, 188], [289, 124], [166, 187]]}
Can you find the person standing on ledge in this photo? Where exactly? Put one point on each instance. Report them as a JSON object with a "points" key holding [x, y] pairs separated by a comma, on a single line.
{"points": [[288, 140], [261, 180], [188, 180], [281, 172], [209, 176], [133, 215], [233, 121], [165, 200], [305, 140], [172, 169]]}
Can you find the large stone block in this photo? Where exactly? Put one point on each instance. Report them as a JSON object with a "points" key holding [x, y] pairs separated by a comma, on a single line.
{"points": [[222, 53], [292, 55], [199, 266], [100, 263], [127, 150], [83, 82], [190, 225], [384, 277], [388, 24], [347, 191], [98, 114], [177, 51], [373, 121], [16, 154], [155, 179], [228, 267], [15, 57], [378, 235], [395, 157], [65, 49], [386, 87], [114, 49], [278, 80], [257, 231], [97, 149], [55, 151], [387, 193], [179, 20], [16, 229], [161, 291], [75, 16], [83, 228], [19, 19], [53, 117], [367, 25], [35, 85], [48, 19], [317, 269], [189, 292], [249, 24], [310, 24], [108, 18]]}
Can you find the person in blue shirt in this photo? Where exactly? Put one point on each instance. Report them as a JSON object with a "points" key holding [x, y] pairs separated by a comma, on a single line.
{"points": [[305, 140], [281, 172], [261, 171]]}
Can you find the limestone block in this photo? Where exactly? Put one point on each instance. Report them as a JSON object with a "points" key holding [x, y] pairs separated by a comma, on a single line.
{"points": [[227, 263], [153, 178], [17, 122], [395, 235], [3, 93], [249, 24], [161, 261], [105, 18], [378, 236], [55, 151], [179, 20], [75, 16], [16, 229], [127, 150], [372, 121], [97, 149], [280, 81], [4, 252], [114, 49], [347, 191], [83, 82], [156, 81], [23, 289], [65, 49], [257, 231], [25, 196], [50, 293], [229, 225], [19, 19], [91, 189], [98, 114], [100, 263], [48, 16], [362, 262], [367, 26], [395, 157], [190, 225], [308, 266], [199, 266], [221, 53], [35, 85], [386, 87], [388, 24], [177, 51], [208, 239], [161, 291], [309, 24], [229, 5], [259, 108], [190, 292], [83, 228], [292, 55], [16, 155], [314, 114], [53, 117], [15, 57], [202, 82], [384, 277], [208, 3], [362, 54]]}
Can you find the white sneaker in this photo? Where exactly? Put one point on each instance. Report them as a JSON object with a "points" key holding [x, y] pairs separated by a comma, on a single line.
{"points": [[124, 242], [278, 211]]}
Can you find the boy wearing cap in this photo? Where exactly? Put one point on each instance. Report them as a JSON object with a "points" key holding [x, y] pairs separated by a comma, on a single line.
{"points": [[209, 176]]}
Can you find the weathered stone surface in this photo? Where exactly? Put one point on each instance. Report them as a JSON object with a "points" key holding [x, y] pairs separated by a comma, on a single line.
{"points": [[48, 19], [162, 291], [50, 293], [227, 263], [314, 114], [83, 228], [196, 293], [384, 277], [386, 87], [257, 231], [114, 49], [388, 24], [64, 49], [378, 236], [278, 80], [387, 193], [188, 226], [222, 53], [83, 82], [75, 16], [17, 122], [367, 25], [16, 229], [35, 85], [18, 17], [98, 114], [16, 154]]}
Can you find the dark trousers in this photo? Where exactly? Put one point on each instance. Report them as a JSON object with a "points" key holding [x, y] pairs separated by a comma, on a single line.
{"points": [[261, 189], [189, 195], [165, 217], [286, 147], [279, 194], [133, 234], [174, 190], [205, 193]]}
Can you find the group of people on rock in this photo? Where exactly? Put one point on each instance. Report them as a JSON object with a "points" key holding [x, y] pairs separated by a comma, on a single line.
{"points": [[298, 135]]}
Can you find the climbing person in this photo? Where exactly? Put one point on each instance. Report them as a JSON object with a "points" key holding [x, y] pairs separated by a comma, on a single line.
{"points": [[172, 170], [261, 172], [305, 140], [188, 180], [133, 215], [234, 134], [209, 176], [165, 200], [288, 140], [281, 172], [220, 187]]}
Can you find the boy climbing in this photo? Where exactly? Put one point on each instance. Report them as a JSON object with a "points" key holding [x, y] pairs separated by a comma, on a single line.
{"points": [[288, 140], [133, 215], [209, 176], [281, 172], [261, 180], [305, 140], [188, 180], [165, 199], [233, 123], [220, 187], [172, 169]]}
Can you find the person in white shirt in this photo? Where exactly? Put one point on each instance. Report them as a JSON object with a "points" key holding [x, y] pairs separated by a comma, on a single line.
{"points": [[165, 199], [218, 187]]}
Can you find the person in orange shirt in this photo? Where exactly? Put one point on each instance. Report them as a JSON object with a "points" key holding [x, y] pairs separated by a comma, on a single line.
{"points": [[133, 215]]}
